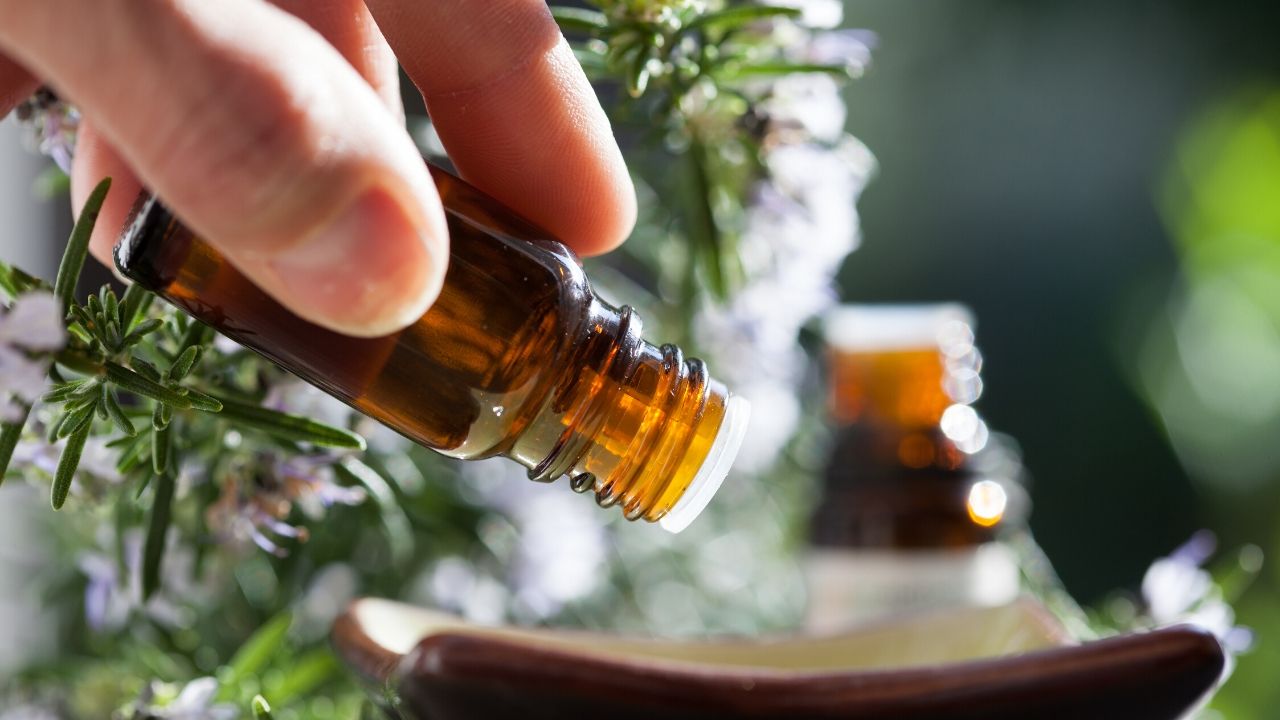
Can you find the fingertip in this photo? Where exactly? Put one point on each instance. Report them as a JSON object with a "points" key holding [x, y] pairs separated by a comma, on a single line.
{"points": [[615, 213]]}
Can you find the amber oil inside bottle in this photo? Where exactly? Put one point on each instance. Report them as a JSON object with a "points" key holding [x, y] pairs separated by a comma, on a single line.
{"points": [[517, 357], [895, 478]]}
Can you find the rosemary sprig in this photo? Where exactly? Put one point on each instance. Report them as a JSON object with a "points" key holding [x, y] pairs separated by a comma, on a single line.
{"points": [[126, 360], [687, 71]]}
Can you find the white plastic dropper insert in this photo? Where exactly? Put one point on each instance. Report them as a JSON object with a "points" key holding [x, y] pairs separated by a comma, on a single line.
{"points": [[712, 472]]}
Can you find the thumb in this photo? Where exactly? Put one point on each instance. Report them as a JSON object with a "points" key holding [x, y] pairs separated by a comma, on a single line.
{"points": [[262, 138]]}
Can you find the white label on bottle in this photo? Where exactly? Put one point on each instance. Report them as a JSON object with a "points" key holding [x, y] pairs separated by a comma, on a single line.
{"points": [[848, 586]]}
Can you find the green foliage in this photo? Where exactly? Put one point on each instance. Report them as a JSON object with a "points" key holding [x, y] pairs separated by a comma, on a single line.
{"points": [[204, 463], [688, 72]]}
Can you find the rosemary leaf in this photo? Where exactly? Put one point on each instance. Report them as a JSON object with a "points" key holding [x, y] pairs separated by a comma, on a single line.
{"points": [[131, 456], [185, 362], [201, 401], [157, 528], [130, 304], [638, 72], [394, 520], [67, 465], [64, 287], [289, 427], [263, 645], [579, 19], [139, 385], [116, 414], [768, 69], [55, 428], [261, 710], [143, 485], [737, 16], [62, 392], [10, 432], [145, 369], [110, 305], [195, 333], [143, 329], [77, 419]]}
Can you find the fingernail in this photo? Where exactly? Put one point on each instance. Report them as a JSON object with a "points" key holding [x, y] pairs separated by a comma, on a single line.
{"points": [[368, 273]]}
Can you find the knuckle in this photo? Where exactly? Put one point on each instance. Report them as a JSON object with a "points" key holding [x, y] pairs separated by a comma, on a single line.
{"points": [[252, 141]]}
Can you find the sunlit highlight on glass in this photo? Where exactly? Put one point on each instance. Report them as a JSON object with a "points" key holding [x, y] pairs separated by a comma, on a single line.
{"points": [[987, 502]]}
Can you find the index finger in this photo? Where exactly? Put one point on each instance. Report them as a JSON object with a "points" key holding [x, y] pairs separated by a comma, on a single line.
{"points": [[16, 85], [516, 112]]}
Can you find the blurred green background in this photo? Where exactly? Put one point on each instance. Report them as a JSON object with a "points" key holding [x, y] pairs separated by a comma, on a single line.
{"points": [[1100, 182]]}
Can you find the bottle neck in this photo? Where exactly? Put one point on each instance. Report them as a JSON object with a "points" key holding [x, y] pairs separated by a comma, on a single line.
{"points": [[637, 425]]}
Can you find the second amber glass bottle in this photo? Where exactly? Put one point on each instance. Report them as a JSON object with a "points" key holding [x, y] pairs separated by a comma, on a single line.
{"points": [[915, 490], [517, 357]]}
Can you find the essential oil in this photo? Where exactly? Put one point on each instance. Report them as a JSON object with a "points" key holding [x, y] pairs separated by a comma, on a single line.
{"points": [[517, 357]]}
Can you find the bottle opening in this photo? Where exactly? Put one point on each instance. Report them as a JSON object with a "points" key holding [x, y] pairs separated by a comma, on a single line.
{"points": [[714, 468]]}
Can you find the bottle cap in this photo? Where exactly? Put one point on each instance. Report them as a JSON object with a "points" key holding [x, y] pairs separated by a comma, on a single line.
{"points": [[724, 449], [882, 328]]}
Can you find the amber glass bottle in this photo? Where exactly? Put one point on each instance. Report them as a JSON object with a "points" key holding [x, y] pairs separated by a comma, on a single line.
{"points": [[517, 357], [914, 492]]}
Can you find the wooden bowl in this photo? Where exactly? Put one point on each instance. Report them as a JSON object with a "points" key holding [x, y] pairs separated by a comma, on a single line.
{"points": [[1008, 662]]}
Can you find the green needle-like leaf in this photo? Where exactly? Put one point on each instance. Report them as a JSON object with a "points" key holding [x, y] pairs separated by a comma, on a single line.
{"points": [[110, 305], [185, 362], [768, 69], [740, 15], [255, 653], [62, 392], [139, 385], [579, 19], [129, 305], [289, 427], [159, 419], [306, 673], [157, 528], [142, 330], [395, 521], [638, 73], [261, 710], [64, 287], [131, 457], [67, 465], [10, 432], [77, 419], [146, 369], [116, 414], [702, 224], [201, 401]]}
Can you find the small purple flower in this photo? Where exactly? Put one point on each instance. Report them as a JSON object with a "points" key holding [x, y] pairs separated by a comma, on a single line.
{"points": [[53, 126], [256, 511], [30, 330], [195, 701], [1177, 589]]}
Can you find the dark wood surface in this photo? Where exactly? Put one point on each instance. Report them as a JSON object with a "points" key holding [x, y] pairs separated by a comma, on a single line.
{"points": [[452, 675]]}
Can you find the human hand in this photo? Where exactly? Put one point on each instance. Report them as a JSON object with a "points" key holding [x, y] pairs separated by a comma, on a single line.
{"points": [[275, 130]]}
